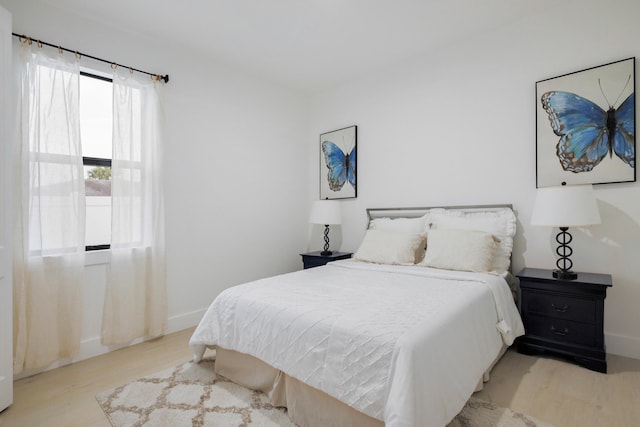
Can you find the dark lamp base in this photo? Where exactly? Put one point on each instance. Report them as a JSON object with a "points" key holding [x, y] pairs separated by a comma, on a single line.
{"points": [[326, 253], [565, 274]]}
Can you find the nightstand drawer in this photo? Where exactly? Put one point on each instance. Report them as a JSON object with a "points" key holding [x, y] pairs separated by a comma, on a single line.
{"points": [[562, 330], [560, 306]]}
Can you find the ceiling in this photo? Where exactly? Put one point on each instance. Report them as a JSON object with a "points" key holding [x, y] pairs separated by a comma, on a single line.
{"points": [[308, 45]]}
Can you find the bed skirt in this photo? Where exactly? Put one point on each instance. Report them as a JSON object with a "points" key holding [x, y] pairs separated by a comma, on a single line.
{"points": [[306, 405]]}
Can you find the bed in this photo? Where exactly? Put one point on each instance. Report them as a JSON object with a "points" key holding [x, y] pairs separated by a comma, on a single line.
{"points": [[400, 335]]}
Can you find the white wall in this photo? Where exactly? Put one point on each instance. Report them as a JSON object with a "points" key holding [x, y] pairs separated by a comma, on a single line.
{"points": [[236, 180], [457, 126]]}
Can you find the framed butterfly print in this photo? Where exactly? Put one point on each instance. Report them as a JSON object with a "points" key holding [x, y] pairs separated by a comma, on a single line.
{"points": [[586, 126], [338, 164]]}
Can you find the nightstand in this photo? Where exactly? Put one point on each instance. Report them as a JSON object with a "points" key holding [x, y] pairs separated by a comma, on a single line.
{"points": [[316, 259], [564, 316]]}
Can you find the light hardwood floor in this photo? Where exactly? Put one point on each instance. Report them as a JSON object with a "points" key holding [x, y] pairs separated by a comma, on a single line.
{"points": [[66, 396], [550, 389], [565, 394]]}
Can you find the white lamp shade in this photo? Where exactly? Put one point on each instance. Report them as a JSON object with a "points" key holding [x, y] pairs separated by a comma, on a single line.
{"points": [[325, 212], [566, 206]]}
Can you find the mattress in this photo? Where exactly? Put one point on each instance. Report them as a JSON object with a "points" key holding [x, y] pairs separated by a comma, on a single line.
{"points": [[405, 345]]}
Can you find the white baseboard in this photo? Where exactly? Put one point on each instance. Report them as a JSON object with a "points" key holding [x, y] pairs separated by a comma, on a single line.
{"points": [[622, 345], [91, 347], [185, 320]]}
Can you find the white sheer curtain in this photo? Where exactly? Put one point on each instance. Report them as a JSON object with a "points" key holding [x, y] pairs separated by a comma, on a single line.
{"points": [[49, 226], [136, 298]]}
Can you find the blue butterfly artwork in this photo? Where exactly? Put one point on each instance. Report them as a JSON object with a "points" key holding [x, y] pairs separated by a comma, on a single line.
{"points": [[587, 132], [342, 167]]}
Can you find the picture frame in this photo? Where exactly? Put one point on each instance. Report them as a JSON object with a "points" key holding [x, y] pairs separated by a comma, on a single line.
{"points": [[338, 164], [585, 126]]}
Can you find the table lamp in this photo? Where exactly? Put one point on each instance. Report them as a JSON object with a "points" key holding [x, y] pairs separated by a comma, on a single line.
{"points": [[565, 206], [325, 212]]}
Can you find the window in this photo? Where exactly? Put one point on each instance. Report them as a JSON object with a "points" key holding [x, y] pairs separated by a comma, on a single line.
{"points": [[96, 120]]}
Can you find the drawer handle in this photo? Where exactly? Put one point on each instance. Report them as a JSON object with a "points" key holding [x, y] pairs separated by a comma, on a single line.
{"points": [[560, 309], [555, 331]]}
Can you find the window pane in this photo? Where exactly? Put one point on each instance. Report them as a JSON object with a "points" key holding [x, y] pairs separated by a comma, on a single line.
{"points": [[98, 231], [97, 182], [96, 117]]}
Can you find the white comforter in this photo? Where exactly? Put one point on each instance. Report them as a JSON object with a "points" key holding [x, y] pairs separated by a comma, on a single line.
{"points": [[403, 344]]}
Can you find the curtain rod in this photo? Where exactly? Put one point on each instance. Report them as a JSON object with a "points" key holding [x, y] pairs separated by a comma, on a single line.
{"points": [[29, 40]]}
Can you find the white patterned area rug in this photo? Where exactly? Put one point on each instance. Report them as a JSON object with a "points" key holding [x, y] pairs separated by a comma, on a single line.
{"points": [[192, 395]]}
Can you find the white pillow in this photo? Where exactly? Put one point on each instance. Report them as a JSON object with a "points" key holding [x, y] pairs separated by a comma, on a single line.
{"points": [[465, 250], [402, 225], [387, 247], [501, 224]]}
